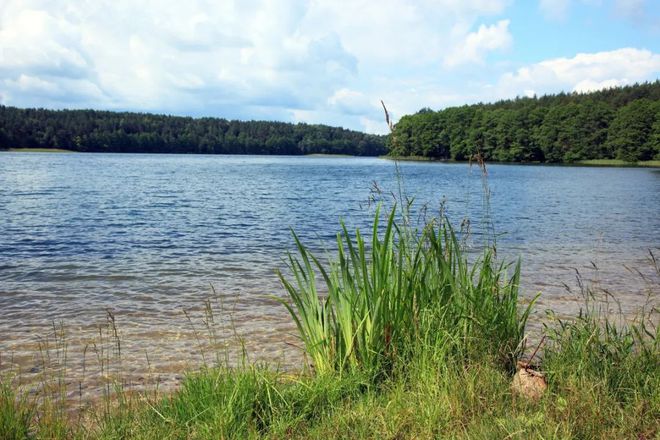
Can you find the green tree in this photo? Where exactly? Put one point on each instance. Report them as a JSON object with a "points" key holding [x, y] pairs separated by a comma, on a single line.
{"points": [[629, 133]]}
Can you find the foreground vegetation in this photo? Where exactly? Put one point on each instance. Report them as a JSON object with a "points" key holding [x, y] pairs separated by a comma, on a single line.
{"points": [[406, 338], [617, 123]]}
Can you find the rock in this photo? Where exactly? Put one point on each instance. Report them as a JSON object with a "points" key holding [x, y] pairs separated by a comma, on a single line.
{"points": [[528, 382]]}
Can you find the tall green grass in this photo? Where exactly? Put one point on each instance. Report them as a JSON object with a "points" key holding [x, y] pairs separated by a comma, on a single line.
{"points": [[16, 413], [399, 287], [605, 367]]}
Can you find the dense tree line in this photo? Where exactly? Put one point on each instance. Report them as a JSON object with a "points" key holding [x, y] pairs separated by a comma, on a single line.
{"points": [[104, 131], [617, 123]]}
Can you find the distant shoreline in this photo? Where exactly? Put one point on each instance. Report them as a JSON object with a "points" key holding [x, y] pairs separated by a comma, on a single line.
{"points": [[616, 163], [589, 163], [37, 150], [333, 155]]}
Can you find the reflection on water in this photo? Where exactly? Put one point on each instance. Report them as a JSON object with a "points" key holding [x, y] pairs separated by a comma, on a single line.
{"points": [[146, 236]]}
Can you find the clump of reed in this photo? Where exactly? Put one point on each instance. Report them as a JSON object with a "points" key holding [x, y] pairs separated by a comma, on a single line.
{"points": [[401, 288]]}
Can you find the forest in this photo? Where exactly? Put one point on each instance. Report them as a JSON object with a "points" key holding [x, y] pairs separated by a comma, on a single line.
{"points": [[617, 123], [104, 131]]}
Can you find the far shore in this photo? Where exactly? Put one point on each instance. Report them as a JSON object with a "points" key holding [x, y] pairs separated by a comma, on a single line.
{"points": [[37, 150], [590, 162], [330, 155]]}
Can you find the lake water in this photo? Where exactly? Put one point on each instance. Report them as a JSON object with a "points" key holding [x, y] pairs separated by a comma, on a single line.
{"points": [[146, 236]]}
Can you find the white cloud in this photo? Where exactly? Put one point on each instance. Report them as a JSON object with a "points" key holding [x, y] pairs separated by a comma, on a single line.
{"points": [[245, 59], [583, 72], [25, 82], [375, 125], [476, 44], [588, 85], [324, 61], [396, 30], [351, 102], [37, 41], [192, 57]]}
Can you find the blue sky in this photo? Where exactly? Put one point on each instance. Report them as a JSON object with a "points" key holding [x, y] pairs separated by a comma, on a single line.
{"points": [[317, 61]]}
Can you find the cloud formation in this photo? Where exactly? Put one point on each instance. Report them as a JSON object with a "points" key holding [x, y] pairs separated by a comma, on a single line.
{"points": [[313, 61], [583, 73], [475, 44]]}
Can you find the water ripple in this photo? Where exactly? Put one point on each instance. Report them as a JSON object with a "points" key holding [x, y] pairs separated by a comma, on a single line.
{"points": [[147, 235]]}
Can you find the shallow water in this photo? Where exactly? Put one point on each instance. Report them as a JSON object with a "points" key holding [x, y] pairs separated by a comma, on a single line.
{"points": [[146, 236]]}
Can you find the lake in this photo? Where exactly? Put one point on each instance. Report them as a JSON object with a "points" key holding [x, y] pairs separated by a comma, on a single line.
{"points": [[147, 237]]}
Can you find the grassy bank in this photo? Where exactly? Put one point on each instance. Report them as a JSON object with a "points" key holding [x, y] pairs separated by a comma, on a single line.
{"points": [[328, 155], [416, 159], [405, 338], [619, 163], [593, 162]]}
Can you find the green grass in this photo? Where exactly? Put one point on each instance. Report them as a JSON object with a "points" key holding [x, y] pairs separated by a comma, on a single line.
{"points": [[619, 163], [415, 158], [407, 339], [590, 162], [387, 294], [16, 413], [39, 150], [329, 155]]}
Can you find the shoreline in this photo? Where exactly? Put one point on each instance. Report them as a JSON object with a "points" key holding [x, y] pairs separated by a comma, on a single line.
{"points": [[596, 163], [422, 397], [37, 150], [604, 163]]}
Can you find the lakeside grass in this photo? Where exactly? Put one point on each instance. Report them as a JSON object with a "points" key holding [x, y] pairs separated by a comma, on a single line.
{"points": [[38, 150], [406, 339], [329, 155], [619, 163], [417, 159], [590, 162]]}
